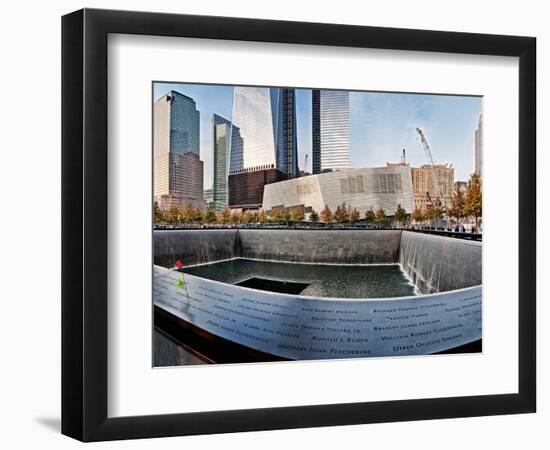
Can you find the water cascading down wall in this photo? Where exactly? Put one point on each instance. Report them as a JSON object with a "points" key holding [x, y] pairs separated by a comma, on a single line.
{"points": [[434, 263], [237, 324]]}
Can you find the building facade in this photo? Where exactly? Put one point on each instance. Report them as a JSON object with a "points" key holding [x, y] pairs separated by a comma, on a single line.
{"points": [[362, 189], [176, 124], [425, 185], [330, 130], [177, 168], [246, 188], [208, 196], [264, 130], [183, 175], [286, 131], [479, 147], [461, 186], [264, 144], [221, 142]]}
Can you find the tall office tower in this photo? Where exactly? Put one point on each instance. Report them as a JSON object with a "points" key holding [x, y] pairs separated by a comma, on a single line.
{"points": [[221, 141], [264, 145], [254, 147], [266, 137], [177, 124], [285, 130], [330, 130], [479, 146], [178, 171]]}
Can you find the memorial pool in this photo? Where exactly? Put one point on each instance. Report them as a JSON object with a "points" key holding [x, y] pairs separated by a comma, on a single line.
{"points": [[316, 280], [315, 295]]}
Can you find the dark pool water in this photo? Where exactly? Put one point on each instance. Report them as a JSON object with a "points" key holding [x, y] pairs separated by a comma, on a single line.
{"points": [[344, 281]]}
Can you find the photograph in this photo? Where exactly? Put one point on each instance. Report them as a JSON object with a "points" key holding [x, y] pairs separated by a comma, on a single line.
{"points": [[274, 225], [294, 223]]}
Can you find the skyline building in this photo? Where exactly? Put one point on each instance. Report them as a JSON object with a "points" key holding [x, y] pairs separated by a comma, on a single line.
{"points": [[330, 130], [479, 147], [264, 130], [264, 144], [221, 141], [286, 131], [208, 195], [461, 186], [177, 124], [178, 171], [425, 184]]}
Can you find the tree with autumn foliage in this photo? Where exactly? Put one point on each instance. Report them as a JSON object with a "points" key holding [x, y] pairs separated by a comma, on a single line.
{"points": [[313, 216], [225, 216], [285, 215], [370, 215], [354, 216], [210, 216], [298, 215], [472, 205], [158, 215], [341, 215], [458, 203], [247, 217], [188, 214], [434, 212], [380, 217], [262, 216], [236, 218], [326, 214], [276, 215], [173, 214], [418, 215], [400, 215]]}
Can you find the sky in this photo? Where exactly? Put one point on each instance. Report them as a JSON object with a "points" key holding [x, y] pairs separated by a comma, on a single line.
{"points": [[381, 125]]}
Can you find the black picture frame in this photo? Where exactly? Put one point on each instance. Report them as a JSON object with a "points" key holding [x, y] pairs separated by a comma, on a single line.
{"points": [[84, 224]]}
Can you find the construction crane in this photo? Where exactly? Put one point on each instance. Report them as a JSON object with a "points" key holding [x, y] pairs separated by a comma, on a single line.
{"points": [[427, 151]]}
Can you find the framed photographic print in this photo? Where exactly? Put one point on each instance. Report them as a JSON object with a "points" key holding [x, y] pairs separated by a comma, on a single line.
{"points": [[273, 224]]}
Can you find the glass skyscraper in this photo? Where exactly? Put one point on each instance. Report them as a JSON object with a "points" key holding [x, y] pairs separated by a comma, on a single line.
{"points": [[479, 147], [264, 130], [178, 124], [285, 131], [221, 140], [330, 130], [177, 168]]}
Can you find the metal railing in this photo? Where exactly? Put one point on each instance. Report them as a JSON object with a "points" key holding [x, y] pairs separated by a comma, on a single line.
{"points": [[318, 226]]}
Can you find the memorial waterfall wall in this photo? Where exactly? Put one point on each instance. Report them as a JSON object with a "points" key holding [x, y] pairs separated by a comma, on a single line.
{"points": [[434, 263]]}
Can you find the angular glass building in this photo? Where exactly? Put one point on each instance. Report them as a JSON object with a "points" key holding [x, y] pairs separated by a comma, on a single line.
{"points": [[177, 168], [330, 130], [221, 141], [284, 101], [265, 119], [263, 138], [177, 124]]}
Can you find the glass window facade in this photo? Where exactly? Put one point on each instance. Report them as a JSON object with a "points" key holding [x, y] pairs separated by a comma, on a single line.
{"points": [[264, 130], [184, 124], [178, 171], [254, 147], [221, 129], [285, 129], [330, 130]]}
